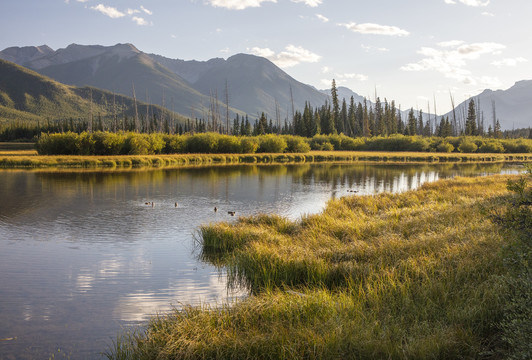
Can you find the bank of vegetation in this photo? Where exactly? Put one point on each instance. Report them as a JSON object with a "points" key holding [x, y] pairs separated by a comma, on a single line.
{"points": [[131, 143], [441, 272]]}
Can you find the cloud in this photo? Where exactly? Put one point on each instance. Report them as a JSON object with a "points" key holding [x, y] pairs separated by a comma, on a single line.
{"points": [[352, 76], [487, 13], [311, 3], [139, 21], [132, 11], [146, 10], [369, 48], [238, 4], [292, 55], [375, 29], [451, 59], [469, 2], [512, 62], [322, 18], [112, 12]]}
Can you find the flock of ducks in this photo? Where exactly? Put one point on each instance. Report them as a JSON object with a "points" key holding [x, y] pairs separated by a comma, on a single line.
{"points": [[152, 204], [232, 213]]}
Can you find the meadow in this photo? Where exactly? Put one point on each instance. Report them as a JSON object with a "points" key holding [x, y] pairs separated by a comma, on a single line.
{"points": [[440, 272]]}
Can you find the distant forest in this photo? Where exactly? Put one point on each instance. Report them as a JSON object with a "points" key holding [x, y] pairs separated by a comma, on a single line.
{"points": [[362, 119]]}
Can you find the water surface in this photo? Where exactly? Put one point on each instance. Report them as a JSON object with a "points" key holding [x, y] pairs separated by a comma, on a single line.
{"points": [[82, 255]]}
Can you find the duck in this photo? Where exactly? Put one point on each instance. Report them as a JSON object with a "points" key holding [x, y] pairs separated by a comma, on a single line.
{"points": [[175, 205], [232, 213], [215, 209]]}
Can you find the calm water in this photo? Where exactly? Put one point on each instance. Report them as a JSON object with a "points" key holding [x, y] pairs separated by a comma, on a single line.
{"points": [[82, 256]]}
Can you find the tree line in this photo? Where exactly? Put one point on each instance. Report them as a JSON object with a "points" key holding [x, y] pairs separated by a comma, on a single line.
{"points": [[347, 117]]}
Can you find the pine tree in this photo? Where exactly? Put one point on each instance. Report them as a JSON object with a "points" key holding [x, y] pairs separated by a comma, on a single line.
{"points": [[471, 120], [335, 109]]}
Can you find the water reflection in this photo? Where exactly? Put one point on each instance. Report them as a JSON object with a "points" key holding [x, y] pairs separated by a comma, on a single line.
{"points": [[82, 254]]}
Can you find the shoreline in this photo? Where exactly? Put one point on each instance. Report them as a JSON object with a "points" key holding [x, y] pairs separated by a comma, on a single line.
{"points": [[16, 160]]}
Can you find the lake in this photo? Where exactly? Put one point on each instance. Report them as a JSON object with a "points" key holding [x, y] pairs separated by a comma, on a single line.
{"points": [[84, 254]]}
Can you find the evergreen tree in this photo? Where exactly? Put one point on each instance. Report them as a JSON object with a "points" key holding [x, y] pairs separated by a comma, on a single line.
{"points": [[335, 108], [236, 125], [471, 120], [412, 123]]}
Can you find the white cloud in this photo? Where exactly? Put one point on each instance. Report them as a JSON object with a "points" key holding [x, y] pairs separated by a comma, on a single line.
{"points": [[325, 69], [490, 82], [451, 59], [469, 2], [264, 52], [108, 11], [292, 55], [322, 18], [375, 29], [238, 4], [311, 3], [225, 50], [132, 11], [487, 13], [146, 10], [369, 48], [139, 21], [352, 76], [509, 62], [452, 43]]}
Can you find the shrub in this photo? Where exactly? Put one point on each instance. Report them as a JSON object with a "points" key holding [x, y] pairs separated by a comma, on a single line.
{"points": [[229, 145], [296, 144], [491, 146], [203, 143], [445, 147], [249, 145], [467, 146], [272, 144], [175, 144], [353, 144]]}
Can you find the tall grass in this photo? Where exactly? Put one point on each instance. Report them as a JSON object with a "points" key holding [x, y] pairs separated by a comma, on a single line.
{"points": [[413, 275]]}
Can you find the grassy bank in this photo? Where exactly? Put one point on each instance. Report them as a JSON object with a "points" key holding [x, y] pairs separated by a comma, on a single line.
{"points": [[28, 159], [415, 275]]}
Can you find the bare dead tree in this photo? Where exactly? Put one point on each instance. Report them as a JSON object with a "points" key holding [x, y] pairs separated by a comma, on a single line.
{"points": [[137, 125], [115, 120], [278, 116], [226, 107], [455, 128], [292, 101], [89, 129]]}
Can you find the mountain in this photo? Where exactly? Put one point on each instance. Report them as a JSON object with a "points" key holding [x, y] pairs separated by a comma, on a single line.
{"points": [[513, 107], [30, 97], [345, 93], [254, 83]]}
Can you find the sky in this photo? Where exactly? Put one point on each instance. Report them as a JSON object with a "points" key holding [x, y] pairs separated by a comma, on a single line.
{"points": [[416, 52]]}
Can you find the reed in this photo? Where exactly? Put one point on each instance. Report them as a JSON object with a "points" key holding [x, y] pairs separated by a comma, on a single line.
{"points": [[393, 276]]}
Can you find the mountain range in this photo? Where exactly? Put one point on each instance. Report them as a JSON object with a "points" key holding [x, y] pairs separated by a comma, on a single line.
{"points": [[251, 84], [27, 96]]}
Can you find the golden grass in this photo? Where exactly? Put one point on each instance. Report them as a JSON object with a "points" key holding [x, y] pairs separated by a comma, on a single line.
{"points": [[29, 159], [416, 275]]}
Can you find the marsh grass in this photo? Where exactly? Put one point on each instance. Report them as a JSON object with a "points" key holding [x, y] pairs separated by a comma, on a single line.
{"points": [[29, 159], [416, 275]]}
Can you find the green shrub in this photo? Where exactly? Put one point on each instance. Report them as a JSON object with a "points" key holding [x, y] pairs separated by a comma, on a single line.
{"points": [[467, 146], [206, 143], [229, 145], [491, 146], [445, 147], [272, 144], [249, 145], [175, 144], [296, 144]]}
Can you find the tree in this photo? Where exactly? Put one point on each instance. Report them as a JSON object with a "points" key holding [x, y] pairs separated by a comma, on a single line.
{"points": [[335, 107], [471, 120]]}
